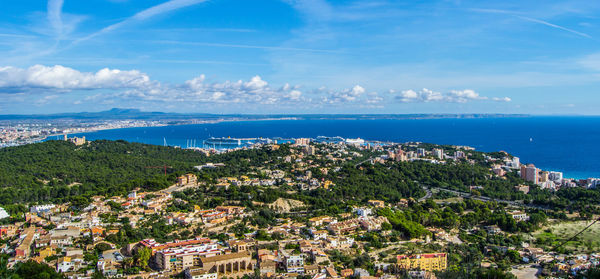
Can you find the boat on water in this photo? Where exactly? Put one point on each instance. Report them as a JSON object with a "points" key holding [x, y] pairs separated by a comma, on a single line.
{"points": [[324, 139], [224, 143]]}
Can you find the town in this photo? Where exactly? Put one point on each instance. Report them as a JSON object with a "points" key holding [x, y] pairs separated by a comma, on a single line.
{"points": [[269, 219]]}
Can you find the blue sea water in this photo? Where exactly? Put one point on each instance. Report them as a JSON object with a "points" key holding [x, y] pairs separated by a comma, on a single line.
{"points": [[567, 144]]}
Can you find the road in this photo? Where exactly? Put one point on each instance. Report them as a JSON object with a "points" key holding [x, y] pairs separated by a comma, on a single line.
{"points": [[483, 198], [428, 194]]}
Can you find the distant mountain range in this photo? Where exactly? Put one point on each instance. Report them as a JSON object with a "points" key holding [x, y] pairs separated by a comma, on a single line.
{"points": [[136, 114]]}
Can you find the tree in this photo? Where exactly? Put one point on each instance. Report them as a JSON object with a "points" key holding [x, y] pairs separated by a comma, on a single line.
{"points": [[127, 262], [142, 256], [33, 270], [102, 246]]}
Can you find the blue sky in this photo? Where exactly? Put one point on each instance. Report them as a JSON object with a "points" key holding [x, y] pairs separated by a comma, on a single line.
{"points": [[300, 56]]}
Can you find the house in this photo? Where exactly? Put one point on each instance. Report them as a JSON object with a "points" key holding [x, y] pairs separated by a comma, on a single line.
{"points": [[493, 229], [107, 267], [320, 234], [319, 221], [47, 252], [359, 272], [293, 263], [319, 256], [268, 267], [311, 269], [519, 215], [73, 252], [377, 203], [363, 212], [346, 272], [372, 223], [64, 264], [199, 273], [331, 272], [61, 241]]}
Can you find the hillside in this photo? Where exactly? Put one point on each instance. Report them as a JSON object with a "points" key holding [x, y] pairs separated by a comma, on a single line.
{"points": [[57, 170]]}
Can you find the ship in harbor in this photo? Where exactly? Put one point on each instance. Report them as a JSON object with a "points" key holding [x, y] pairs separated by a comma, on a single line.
{"points": [[228, 142]]}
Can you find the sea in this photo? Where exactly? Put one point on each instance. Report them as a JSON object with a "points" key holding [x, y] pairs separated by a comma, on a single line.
{"points": [[570, 144]]}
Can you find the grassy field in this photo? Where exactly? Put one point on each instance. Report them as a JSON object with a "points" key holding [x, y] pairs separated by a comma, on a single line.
{"points": [[552, 235]]}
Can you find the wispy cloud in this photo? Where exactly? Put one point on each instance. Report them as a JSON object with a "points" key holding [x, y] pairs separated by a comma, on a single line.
{"points": [[55, 16], [143, 15], [555, 26], [241, 46], [530, 19], [187, 30]]}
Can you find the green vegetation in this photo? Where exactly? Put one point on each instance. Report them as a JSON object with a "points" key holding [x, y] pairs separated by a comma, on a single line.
{"points": [[59, 171], [552, 235], [27, 270]]}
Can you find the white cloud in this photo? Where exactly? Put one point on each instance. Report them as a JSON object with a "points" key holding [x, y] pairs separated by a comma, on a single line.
{"points": [[63, 78], [424, 95], [254, 91], [462, 96], [503, 99], [135, 86], [342, 96], [453, 96]]}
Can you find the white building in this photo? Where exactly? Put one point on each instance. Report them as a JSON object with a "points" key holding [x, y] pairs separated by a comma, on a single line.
{"points": [[64, 264], [41, 208], [3, 213], [515, 162], [593, 183], [459, 154], [364, 212], [199, 273], [293, 263], [555, 176], [438, 153], [519, 215]]}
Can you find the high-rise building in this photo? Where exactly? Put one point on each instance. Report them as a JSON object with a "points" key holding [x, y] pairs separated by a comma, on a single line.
{"points": [[421, 152], [438, 153], [515, 162], [308, 150], [459, 154], [302, 141], [401, 156], [544, 176], [529, 173]]}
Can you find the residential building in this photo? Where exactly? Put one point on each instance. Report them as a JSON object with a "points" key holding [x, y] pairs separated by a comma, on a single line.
{"points": [[293, 263], [438, 153], [426, 262], [185, 257], [529, 173], [519, 215], [199, 273]]}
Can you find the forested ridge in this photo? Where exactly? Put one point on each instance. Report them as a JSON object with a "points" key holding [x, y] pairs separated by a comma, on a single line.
{"points": [[57, 170]]}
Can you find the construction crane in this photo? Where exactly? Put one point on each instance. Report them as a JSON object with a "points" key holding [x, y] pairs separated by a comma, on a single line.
{"points": [[160, 167]]}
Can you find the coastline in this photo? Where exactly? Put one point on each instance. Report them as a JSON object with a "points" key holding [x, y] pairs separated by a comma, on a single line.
{"points": [[540, 151]]}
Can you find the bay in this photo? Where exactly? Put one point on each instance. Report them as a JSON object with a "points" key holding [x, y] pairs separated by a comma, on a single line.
{"points": [[561, 143]]}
